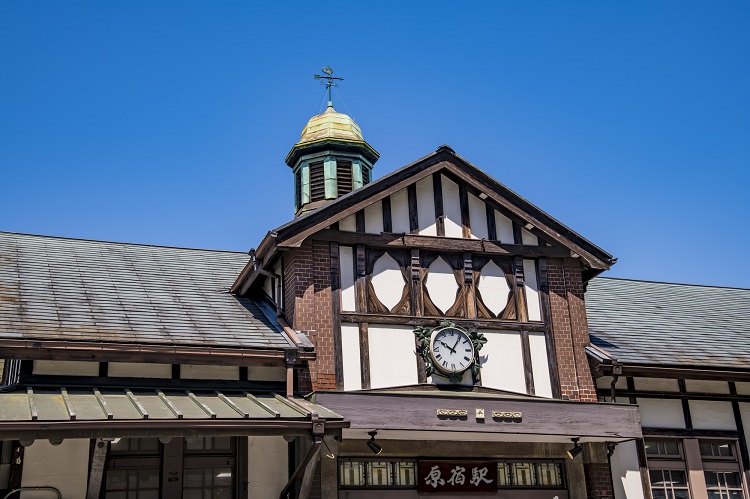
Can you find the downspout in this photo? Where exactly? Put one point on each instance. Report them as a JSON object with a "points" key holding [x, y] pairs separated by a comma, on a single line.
{"points": [[616, 372]]}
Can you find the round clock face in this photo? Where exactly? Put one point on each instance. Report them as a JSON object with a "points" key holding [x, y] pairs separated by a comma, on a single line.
{"points": [[451, 350]]}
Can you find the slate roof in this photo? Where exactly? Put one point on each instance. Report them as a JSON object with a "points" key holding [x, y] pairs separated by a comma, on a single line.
{"points": [[72, 289], [641, 322]]}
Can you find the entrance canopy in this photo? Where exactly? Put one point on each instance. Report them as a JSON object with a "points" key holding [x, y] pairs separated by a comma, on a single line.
{"points": [[29, 413], [427, 412]]}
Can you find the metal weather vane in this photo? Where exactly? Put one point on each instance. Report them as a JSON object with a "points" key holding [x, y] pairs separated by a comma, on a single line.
{"points": [[329, 81]]}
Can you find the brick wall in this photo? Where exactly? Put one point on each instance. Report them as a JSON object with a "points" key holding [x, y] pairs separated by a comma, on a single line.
{"points": [[308, 308], [570, 329], [598, 480]]}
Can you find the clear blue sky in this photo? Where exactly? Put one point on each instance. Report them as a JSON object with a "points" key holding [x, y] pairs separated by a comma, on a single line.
{"points": [[168, 122]]}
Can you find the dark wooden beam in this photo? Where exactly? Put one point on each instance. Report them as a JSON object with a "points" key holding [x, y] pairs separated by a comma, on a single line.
{"points": [[415, 272], [491, 223], [437, 187], [520, 291], [445, 244], [469, 288], [411, 192], [740, 427], [359, 220], [96, 470], [364, 354], [463, 197], [360, 283], [527, 366], [387, 217], [434, 321]]}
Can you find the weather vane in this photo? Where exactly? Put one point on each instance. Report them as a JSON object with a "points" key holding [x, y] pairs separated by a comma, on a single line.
{"points": [[329, 81]]}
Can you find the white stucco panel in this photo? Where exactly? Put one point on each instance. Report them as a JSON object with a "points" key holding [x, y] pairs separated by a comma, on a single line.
{"points": [[501, 359], [400, 212], [540, 365], [655, 384], [606, 382], [532, 290], [478, 218], [352, 357], [494, 287], [504, 228], [706, 386], [661, 413], [712, 415], [63, 466], [426, 207], [451, 208], [626, 472], [441, 284], [387, 280], [393, 361], [348, 224], [743, 388], [267, 465], [346, 268], [139, 370], [66, 368], [374, 218], [528, 238], [194, 371]]}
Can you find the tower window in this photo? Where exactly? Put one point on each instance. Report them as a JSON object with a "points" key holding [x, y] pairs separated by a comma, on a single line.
{"points": [[317, 182], [344, 176]]}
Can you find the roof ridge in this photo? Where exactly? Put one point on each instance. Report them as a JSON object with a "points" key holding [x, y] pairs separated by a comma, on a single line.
{"points": [[120, 242], [669, 282]]}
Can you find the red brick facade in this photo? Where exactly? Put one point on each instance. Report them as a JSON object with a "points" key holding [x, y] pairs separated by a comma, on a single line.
{"points": [[308, 308], [598, 480], [570, 329]]}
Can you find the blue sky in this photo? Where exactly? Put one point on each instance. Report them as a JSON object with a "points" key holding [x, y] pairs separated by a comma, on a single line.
{"points": [[168, 122]]}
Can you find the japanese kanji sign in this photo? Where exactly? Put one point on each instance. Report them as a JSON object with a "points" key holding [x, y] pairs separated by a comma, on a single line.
{"points": [[457, 476]]}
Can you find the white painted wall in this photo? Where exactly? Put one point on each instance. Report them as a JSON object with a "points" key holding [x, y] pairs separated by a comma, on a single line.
{"points": [[266, 373], [494, 287], [711, 415], [66, 368], [528, 238], [374, 218], [194, 371], [351, 356], [346, 262], [743, 388], [501, 359], [532, 290], [348, 224], [426, 207], [655, 384], [441, 284], [478, 218], [661, 413], [139, 370], [266, 468], [706, 386], [451, 208], [626, 472], [400, 212], [393, 361], [504, 228], [387, 280], [63, 466], [540, 365]]}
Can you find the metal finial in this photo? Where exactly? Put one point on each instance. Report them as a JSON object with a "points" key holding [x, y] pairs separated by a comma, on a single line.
{"points": [[329, 81]]}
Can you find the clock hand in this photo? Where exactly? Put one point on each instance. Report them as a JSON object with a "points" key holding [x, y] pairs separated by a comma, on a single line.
{"points": [[454, 346], [449, 348]]}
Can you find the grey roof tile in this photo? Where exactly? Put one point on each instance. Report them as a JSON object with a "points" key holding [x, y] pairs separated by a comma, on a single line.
{"points": [[651, 323], [56, 288]]}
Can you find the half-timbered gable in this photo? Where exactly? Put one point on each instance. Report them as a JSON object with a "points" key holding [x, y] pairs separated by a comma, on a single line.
{"points": [[436, 240]]}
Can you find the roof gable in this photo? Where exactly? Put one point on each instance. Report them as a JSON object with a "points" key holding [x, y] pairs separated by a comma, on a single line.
{"points": [[479, 187]]}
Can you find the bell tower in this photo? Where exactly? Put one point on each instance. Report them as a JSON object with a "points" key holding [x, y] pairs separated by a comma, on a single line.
{"points": [[331, 158]]}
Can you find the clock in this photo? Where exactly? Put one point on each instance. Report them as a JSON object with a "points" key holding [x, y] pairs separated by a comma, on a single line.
{"points": [[451, 350]]}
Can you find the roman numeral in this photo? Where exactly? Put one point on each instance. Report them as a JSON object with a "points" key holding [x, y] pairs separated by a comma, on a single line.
{"points": [[438, 356], [466, 359], [445, 363], [453, 366]]}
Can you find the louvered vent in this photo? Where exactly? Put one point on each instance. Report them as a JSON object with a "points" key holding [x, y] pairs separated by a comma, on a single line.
{"points": [[317, 182], [344, 176], [365, 175], [298, 189]]}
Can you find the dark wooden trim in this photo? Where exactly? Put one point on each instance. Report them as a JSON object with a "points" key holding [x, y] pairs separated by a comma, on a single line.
{"points": [[387, 217], [364, 354], [444, 244], [527, 367], [176, 373], [718, 397], [434, 321], [517, 236], [415, 269], [359, 221], [549, 333], [631, 387], [437, 188], [643, 465], [685, 405], [242, 467], [469, 288], [16, 463], [688, 372], [103, 369], [491, 223], [463, 197], [411, 192], [171, 468], [338, 350], [740, 428], [421, 365], [690, 433], [519, 294], [360, 282], [243, 373]]}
